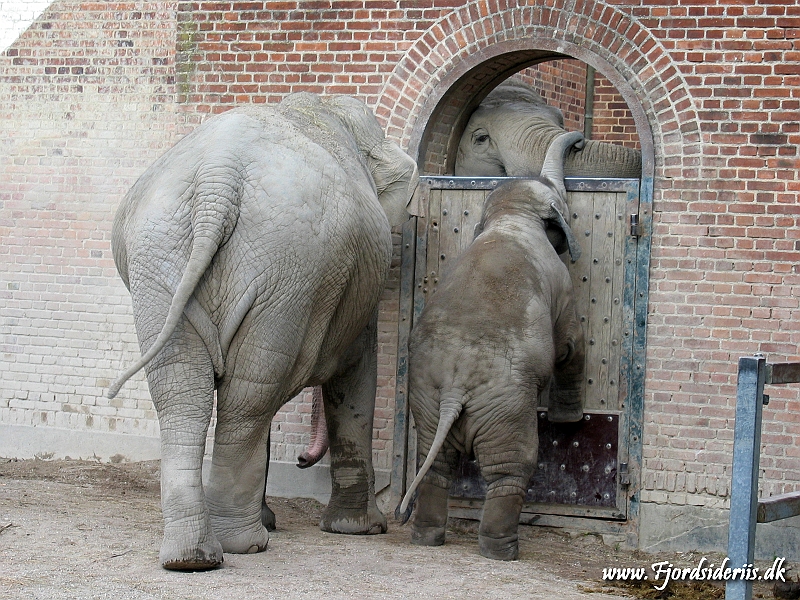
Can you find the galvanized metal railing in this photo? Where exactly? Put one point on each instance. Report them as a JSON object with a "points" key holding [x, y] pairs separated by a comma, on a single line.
{"points": [[746, 509]]}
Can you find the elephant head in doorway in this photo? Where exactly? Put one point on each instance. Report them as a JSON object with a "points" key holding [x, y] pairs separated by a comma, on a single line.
{"points": [[500, 327], [509, 133]]}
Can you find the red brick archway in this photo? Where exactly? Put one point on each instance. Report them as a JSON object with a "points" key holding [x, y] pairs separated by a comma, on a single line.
{"points": [[465, 54]]}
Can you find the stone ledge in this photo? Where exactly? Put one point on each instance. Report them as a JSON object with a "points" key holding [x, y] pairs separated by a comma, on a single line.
{"points": [[671, 528], [49, 443], [27, 441]]}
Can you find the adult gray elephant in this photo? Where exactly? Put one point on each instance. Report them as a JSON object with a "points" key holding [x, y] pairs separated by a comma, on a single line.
{"points": [[509, 133], [501, 325], [255, 251]]}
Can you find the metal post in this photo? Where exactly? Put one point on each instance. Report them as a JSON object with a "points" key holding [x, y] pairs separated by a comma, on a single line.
{"points": [[588, 116], [744, 481]]}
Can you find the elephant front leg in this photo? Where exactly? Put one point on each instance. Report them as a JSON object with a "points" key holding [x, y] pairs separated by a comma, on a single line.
{"points": [[566, 398], [349, 399], [182, 387]]}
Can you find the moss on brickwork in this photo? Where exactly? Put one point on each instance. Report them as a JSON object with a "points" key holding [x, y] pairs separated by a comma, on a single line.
{"points": [[185, 51]]}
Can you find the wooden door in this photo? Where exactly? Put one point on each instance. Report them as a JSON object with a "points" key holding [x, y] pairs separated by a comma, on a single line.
{"points": [[582, 467]]}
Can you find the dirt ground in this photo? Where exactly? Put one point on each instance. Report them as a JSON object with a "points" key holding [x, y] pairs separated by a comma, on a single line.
{"points": [[84, 530]]}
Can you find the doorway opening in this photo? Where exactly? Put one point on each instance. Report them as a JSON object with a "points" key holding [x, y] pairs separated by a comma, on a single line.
{"points": [[588, 469]]}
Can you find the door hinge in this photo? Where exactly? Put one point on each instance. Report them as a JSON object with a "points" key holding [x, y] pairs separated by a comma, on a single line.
{"points": [[636, 229], [624, 476]]}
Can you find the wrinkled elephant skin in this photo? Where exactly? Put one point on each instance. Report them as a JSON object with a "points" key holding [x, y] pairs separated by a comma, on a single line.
{"points": [[501, 326], [255, 251], [511, 130]]}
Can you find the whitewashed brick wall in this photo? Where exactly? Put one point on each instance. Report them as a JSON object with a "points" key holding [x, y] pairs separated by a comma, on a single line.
{"points": [[77, 127], [16, 16]]}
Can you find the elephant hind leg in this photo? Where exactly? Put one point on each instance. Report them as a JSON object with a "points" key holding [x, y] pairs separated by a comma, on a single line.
{"points": [[430, 521], [507, 472], [181, 380], [237, 478], [268, 519], [430, 515], [498, 536]]}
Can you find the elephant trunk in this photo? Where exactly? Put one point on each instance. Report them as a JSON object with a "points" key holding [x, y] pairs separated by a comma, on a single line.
{"points": [[553, 175], [450, 408], [603, 159], [522, 155], [319, 433], [553, 167]]}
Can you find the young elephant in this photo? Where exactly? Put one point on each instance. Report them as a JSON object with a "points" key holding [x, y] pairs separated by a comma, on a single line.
{"points": [[487, 344]]}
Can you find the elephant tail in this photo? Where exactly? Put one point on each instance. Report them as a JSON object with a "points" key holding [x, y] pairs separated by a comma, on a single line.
{"points": [[203, 250], [215, 213], [450, 409]]}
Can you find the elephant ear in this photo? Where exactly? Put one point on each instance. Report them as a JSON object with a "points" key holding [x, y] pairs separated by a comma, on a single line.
{"points": [[396, 178], [393, 171], [560, 234]]}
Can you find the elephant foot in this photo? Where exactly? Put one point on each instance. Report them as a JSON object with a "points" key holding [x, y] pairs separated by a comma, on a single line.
{"points": [[497, 535], [503, 548], [353, 521], [180, 557], [238, 540], [427, 536], [247, 542], [267, 517], [430, 522], [557, 414]]}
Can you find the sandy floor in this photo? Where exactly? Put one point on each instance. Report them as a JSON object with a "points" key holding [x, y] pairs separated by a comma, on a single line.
{"points": [[82, 530]]}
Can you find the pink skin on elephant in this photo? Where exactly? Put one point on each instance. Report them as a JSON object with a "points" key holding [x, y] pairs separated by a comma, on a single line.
{"points": [[310, 456], [319, 433]]}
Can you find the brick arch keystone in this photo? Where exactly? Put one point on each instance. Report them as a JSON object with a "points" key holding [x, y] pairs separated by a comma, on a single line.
{"points": [[464, 55]]}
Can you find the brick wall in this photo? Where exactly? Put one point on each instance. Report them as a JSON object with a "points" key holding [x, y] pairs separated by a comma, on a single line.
{"points": [[86, 104], [562, 83], [613, 121], [725, 259], [93, 92]]}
